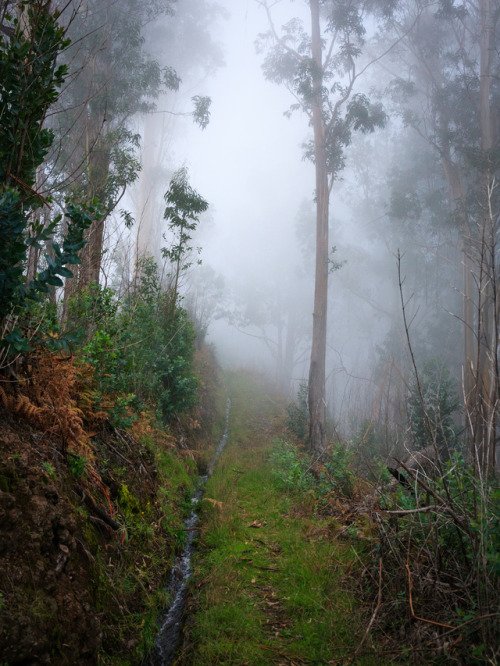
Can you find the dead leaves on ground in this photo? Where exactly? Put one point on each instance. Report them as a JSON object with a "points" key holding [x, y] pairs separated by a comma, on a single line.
{"points": [[256, 524]]}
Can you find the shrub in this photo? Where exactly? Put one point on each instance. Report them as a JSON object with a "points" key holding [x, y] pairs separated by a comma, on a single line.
{"points": [[290, 468], [297, 420], [432, 418], [337, 475], [141, 352], [447, 532]]}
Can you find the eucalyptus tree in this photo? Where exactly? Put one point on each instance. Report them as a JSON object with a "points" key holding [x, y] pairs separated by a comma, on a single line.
{"points": [[111, 78], [31, 42], [115, 75], [448, 91], [320, 66], [186, 42], [182, 213]]}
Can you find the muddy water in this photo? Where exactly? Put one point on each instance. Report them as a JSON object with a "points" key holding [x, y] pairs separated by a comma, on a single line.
{"points": [[169, 634]]}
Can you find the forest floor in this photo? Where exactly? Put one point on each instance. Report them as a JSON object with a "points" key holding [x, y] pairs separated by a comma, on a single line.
{"points": [[273, 583]]}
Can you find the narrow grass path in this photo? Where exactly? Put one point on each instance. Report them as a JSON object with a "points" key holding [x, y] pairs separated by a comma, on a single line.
{"points": [[267, 587]]}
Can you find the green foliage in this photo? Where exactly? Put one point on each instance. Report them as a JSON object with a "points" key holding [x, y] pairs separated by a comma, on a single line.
{"points": [[49, 469], [290, 61], [184, 206], [476, 506], [173, 368], [297, 420], [489, 525], [457, 543], [201, 113], [13, 248], [290, 467], [78, 465], [432, 419], [141, 350], [120, 413], [16, 238], [337, 475], [29, 85], [30, 82]]}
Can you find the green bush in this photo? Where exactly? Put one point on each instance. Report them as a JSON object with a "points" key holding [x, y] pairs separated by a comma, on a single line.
{"points": [[141, 350], [337, 475], [78, 465], [290, 467], [291, 470], [432, 418], [297, 420]]}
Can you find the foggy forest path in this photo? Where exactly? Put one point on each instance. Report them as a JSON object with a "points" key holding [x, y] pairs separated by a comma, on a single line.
{"points": [[268, 577]]}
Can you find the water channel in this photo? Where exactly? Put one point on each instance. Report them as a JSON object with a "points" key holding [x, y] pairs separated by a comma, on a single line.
{"points": [[163, 654]]}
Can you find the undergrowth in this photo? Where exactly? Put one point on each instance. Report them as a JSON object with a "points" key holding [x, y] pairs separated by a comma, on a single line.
{"points": [[294, 470], [439, 549]]}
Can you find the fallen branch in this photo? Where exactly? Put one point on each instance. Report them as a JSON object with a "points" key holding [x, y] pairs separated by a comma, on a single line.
{"points": [[422, 509], [89, 502], [442, 503], [422, 619]]}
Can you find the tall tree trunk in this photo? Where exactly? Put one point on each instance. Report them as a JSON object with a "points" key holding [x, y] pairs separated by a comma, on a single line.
{"points": [[486, 394], [317, 398], [151, 181]]}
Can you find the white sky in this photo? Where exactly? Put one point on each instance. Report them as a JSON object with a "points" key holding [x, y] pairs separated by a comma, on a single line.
{"points": [[248, 162]]}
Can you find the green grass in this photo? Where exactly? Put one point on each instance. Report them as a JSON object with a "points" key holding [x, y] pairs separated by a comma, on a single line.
{"points": [[273, 593]]}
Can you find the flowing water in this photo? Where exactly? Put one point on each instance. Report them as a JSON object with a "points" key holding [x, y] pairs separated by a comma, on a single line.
{"points": [[170, 631]]}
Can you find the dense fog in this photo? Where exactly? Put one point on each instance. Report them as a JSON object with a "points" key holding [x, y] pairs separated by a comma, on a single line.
{"points": [[225, 91], [256, 281]]}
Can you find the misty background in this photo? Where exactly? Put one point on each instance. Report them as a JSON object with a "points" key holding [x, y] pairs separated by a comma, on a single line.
{"points": [[252, 294]]}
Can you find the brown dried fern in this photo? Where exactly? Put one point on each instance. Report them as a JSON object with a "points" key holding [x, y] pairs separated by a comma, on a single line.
{"points": [[46, 401]]}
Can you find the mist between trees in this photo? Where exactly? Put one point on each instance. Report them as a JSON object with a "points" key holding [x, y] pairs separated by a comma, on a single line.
{"points": [[364, 281], [401, 101]]}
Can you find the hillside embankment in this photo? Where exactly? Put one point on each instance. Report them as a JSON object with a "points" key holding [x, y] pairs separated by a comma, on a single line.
{"points": [[88, 532]]}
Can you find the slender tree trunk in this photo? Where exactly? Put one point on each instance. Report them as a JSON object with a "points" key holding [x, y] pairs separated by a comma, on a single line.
{"points": [[290, 344], [486, 393], [468, 326], [317, 399]]}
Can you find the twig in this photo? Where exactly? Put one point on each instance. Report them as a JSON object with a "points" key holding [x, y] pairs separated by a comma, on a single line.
{"points": [[422, 619], [374, 615], [30, 189], [444, 505], [474, 619], [422, 509], [87, 499]]}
